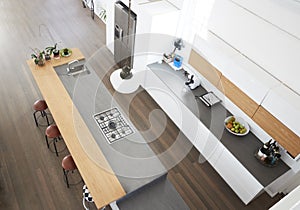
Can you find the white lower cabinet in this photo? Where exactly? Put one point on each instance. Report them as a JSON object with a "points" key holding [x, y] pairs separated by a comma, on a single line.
{"points": [[237, 177], [161, 94], [229, 168], [212, 149], [186, 121]]}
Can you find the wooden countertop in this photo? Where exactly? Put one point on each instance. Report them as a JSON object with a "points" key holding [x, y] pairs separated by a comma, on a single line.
{"points": [[100, 179]]}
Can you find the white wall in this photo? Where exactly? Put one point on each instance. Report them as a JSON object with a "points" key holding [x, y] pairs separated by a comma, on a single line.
{"points": [[266, 32], [282, 13]]}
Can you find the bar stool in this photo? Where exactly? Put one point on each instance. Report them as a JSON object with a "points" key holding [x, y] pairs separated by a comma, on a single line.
{"points": [[40, 106], [68, 165], [87, 197], [53, 132]]}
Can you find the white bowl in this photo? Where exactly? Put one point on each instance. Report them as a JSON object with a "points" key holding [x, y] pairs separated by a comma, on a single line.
{"points": [[242, 122]]}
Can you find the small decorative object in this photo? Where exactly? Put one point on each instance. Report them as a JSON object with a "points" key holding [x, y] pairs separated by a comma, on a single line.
{"points": [[178, 61], [178, 44], [56, 54], [65, 52], [47, 56], [126, 72], [268, 154], [193, 81], [49, 51], [38, 56], [236, 126], [209, 99], [167, 58]]}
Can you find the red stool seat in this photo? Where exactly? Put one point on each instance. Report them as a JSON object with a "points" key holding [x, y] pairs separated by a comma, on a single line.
{"points": [[40, 105], [52, 131], [68, 163]]}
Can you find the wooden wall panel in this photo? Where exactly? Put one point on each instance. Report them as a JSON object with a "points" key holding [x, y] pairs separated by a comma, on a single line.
{"points": [[282, 134], [204, 68], [237, 96]]}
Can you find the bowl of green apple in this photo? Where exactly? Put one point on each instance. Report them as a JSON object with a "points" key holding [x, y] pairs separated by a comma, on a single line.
{"points": [[236, 125]]}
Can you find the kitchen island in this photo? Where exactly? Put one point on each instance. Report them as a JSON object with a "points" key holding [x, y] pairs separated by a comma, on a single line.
{"points": [[131, 159], [232, 156], [110, 170], [101, 181]]}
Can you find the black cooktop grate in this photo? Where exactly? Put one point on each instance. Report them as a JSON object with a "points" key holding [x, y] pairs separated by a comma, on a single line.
{"points": [[113, 125]]}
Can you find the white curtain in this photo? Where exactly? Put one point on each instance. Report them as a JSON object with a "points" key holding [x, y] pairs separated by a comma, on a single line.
{"points": [[194, 18]]}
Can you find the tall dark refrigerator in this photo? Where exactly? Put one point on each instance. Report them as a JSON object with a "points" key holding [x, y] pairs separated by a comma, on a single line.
{"points": [[124, 38]]}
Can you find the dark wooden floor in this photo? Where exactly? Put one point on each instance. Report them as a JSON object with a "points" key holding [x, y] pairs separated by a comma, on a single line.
{"points": [[30, 174]]}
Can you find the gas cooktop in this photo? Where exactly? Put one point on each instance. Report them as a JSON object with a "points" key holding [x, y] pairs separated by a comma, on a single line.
{"points": [[113, 125]]}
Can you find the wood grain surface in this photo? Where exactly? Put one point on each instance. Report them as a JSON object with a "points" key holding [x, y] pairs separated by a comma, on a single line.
{"points": [[238, 97], [100, 179], [204, 68], [215, 77], [282, 134], [30, 174]]}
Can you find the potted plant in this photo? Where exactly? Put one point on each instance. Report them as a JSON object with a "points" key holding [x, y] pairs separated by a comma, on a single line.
{"points": [[38, 56], [49, 51]]}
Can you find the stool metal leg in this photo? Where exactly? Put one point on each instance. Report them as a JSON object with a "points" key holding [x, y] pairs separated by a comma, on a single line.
{"points": [[35, 120], [47, 142], [44, 114], [66, 177], [54, 143], [54, 140]]}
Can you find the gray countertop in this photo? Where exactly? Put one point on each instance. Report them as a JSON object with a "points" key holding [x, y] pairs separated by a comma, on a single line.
{"points": [[132, 160], [243, 148]]}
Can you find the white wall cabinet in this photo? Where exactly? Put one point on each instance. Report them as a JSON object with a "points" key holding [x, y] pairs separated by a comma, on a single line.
{"points": [[270, 47], [288, 19], [255, 82], [176, 3], [246, 75], [285, 105]]}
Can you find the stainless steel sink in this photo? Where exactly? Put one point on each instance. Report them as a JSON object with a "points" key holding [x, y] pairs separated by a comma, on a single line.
{"points": [[75, 68]]}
